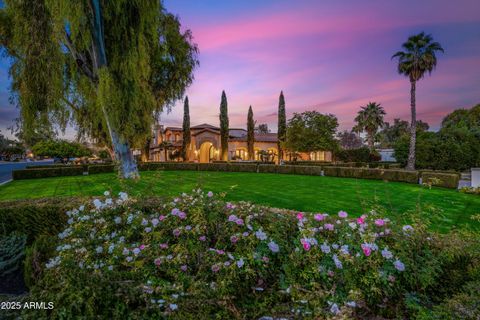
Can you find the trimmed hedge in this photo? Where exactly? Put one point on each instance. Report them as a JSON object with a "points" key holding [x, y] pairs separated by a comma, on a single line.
{"points": [[267, 168], [242, 167], [35, 217], [308, 170], [445, 180], [101, 169], [47, 172], [377, 174]]}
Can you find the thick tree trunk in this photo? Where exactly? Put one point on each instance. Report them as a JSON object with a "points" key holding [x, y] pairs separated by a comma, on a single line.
{"points": [[371, 141], [413, 128], [127, 165]]}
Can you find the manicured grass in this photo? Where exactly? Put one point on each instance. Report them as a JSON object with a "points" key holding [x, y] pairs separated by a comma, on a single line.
{"points": [[305, 193]]}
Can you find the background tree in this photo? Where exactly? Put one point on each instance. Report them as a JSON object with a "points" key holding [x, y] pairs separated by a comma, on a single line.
{"points": [[349, 140], [60, 149], [311, 131], [454, 147], [282, 125], [262, 128], [250, 134], [418, 58], [224, 128], [390, 134], [370, 119], [108, 67], [186, 129]]}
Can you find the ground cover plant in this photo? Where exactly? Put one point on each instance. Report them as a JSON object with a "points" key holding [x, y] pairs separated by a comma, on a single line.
{"points": [[200, 256], [449, 208]]}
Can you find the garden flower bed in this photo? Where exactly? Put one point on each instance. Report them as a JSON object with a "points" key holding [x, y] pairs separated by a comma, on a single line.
{"points": [[201, 257]]}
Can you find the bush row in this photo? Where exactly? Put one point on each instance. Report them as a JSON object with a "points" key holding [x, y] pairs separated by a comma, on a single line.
{"points": [[440, 179], [348, 170]]}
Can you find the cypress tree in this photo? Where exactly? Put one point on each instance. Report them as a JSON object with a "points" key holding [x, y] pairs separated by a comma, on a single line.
{"points": [[223, 128], [186, 129], [250, 134], [282, 125]]}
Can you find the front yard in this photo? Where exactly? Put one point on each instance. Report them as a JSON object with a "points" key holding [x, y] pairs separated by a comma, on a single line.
{"points": [[448, 208]]}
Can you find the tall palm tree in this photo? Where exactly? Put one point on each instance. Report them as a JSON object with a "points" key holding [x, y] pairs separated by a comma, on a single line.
{"points": [[418, 58], [370, 119]]}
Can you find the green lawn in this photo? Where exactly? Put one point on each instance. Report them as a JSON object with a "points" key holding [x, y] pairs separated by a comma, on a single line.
{"points": [[305, 193]]}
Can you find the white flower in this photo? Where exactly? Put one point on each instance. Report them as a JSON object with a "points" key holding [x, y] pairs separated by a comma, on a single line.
{"points": [[155, 221], [353, 225], [407, 228], [123, 195], [273, 247], [98, 204], [129, 259], [148, 229], [106, 193], [125, 251], [173, 306], [99, 249], [261, 235], [136, 251], [110, 268], [117, 220], [110, 248], [81, 208], [108, 201], [399, 265], [70, 221], [240, 263], [387, 254]]}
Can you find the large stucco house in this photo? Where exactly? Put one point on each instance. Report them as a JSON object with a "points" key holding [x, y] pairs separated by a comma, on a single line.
{"points": [[205, 145]]}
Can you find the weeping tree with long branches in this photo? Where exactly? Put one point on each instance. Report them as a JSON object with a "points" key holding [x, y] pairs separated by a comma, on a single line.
{"points": [[108, 67], [417, 59]]}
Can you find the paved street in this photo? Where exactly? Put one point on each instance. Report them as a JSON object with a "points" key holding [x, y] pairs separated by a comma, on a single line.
{"points": [[6, 168]]}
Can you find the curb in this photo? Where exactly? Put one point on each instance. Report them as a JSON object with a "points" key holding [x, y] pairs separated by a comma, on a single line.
{"points": [[5, 182]]}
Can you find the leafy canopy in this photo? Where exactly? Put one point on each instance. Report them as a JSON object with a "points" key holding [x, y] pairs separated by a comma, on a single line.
{"points": [[418, 56], [58, 77], [311, 131]]}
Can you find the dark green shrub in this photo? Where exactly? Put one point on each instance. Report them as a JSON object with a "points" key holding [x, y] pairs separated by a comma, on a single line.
{"points": [[308, 170], [35, 217], [51, 166], [331, 171], [440, 179], [286, 169], [107, 168], [267, 168], [346, 172], [354, 155], [47, 172], [309, 163], [11, 253], [407, 176], [242, 167], [36, 256]]}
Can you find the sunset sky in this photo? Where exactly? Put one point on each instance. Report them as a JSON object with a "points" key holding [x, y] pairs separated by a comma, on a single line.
{"points": [[329, 56]]}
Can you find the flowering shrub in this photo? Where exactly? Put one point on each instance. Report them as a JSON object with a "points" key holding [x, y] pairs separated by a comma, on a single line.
{"points": [[199, 256]]}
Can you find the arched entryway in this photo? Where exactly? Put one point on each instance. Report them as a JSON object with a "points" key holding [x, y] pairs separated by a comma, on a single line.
{"points": [[207, 152]]}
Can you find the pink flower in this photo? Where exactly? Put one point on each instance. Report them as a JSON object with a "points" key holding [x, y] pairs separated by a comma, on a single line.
{"points": [[342, 214], [210, 194], [329, 226], [220, 251], [265, 259], [158, 262], [183, 268], [306, 244], [366, 250], [202, 238], [163, 246], [176, 232], [234, 239], [361, 220], [299, 216], [215, 268], [142, 247], [239, 222], [379, 222], [330, 273], [161, 218], [319, 217]]}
